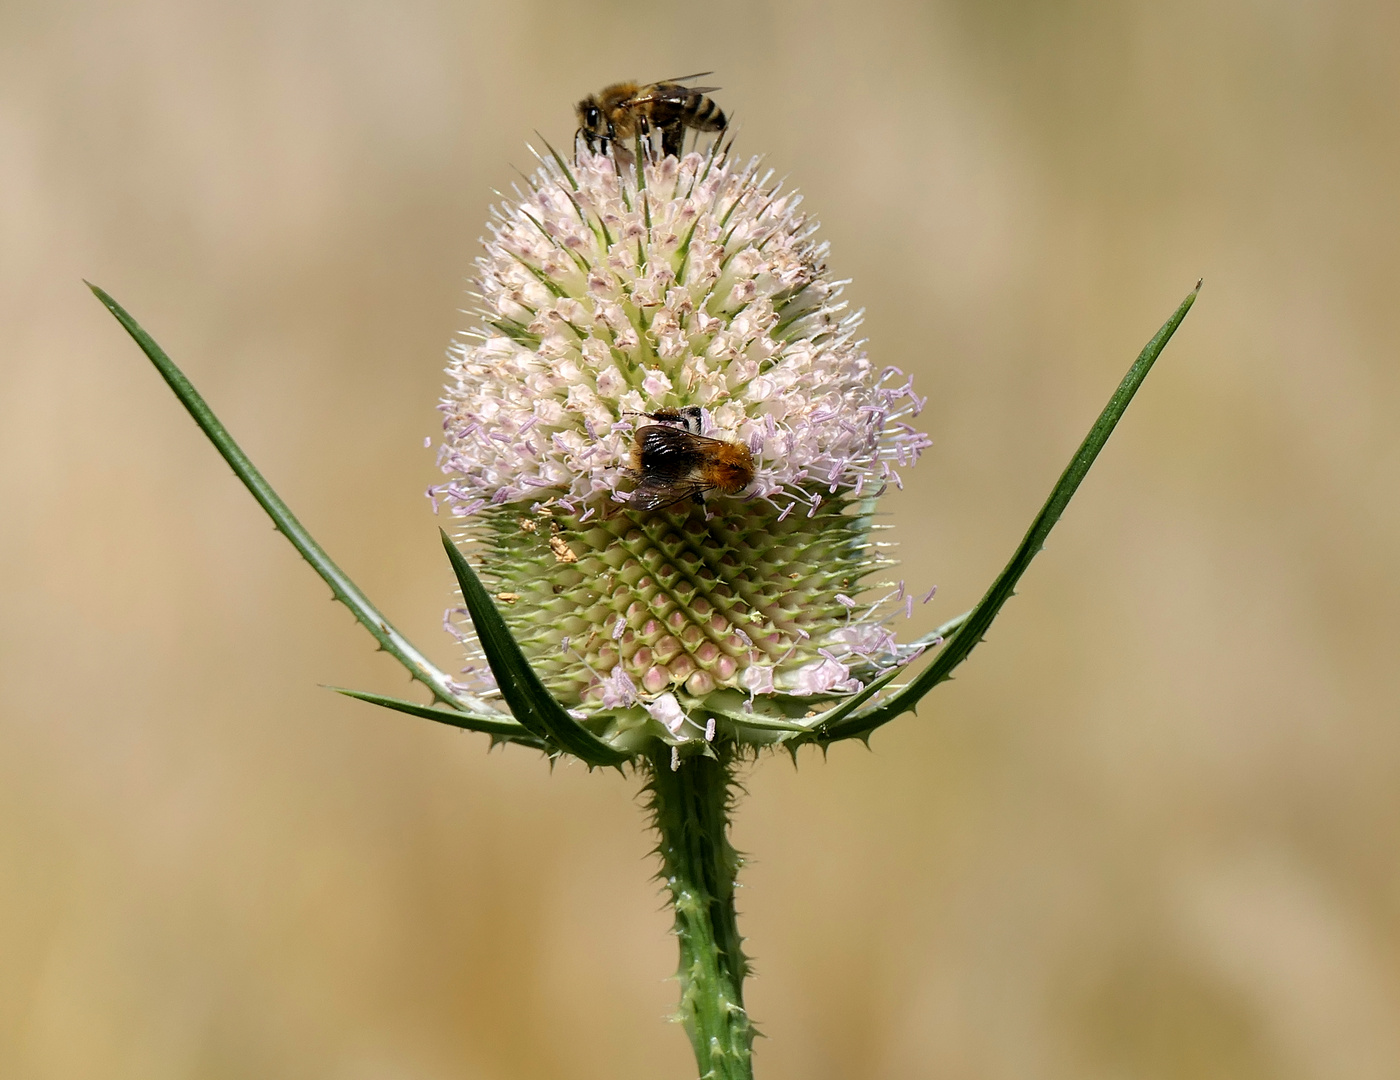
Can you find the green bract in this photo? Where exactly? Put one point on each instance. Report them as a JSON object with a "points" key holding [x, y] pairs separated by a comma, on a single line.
{"points": [[855, 716]]}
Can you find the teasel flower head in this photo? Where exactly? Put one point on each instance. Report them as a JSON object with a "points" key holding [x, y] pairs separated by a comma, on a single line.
{"points": [[620, 285]]}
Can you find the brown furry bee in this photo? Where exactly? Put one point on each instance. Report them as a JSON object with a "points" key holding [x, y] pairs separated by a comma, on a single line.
{"points": [[673, 461], [626, 109]]}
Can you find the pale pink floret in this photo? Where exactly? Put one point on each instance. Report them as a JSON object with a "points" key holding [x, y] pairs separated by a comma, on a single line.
{"points": [[758, 679], [667, 711], [618, 689], [822, 677], [531, 415]]}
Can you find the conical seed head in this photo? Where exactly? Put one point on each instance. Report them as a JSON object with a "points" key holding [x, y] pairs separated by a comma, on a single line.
{"points": [[611, 291]]}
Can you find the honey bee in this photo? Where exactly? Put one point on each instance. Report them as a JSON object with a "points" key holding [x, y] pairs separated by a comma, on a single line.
{"points": [[673, 462], [626, 109]]}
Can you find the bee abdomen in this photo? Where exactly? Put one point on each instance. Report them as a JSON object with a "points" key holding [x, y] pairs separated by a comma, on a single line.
{"points": [[703, 114]]}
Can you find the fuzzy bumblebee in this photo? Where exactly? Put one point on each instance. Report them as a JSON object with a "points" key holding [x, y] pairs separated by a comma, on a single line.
{"points": [[673, 462]]}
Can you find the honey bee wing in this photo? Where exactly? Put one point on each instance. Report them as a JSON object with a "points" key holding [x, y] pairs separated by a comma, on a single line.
{"points": [[657, 493], [687, 78], [672, 93]]}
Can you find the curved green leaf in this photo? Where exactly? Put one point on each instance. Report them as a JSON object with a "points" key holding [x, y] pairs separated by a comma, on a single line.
{"points": [[344, 590], [510, 730], [957, 648], [532, 704]]}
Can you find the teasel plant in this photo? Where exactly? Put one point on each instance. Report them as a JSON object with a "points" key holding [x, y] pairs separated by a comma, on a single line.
{"points": [[624, 289]]}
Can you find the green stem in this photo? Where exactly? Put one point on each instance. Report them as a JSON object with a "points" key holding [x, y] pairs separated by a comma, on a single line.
{"points": [[691, 806]]}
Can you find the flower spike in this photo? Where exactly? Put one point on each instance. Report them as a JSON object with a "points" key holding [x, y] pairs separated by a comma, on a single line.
{"points": [[666, 439]]}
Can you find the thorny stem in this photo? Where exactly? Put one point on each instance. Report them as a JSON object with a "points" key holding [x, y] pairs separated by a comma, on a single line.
{"points": [[690, 806]]}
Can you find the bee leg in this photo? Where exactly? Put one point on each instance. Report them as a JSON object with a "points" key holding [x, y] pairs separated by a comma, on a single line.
{"points": [[655, 152], [699, 498], [672, 136]]}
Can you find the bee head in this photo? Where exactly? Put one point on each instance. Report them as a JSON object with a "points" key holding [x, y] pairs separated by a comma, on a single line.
{"points": [[590, 116]]}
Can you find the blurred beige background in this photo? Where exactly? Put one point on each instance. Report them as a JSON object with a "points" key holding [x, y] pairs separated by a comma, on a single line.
{"points": [[1151, 831]]}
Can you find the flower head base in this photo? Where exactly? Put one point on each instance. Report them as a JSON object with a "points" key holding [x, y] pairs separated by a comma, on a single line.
{"points": [[620, 287]]}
